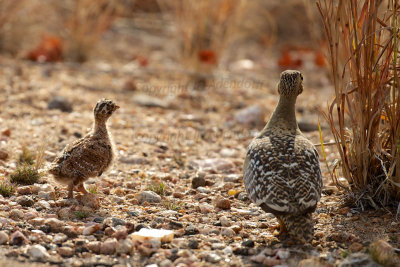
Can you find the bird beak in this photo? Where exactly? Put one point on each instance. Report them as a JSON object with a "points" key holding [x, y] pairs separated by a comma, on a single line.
{"points": [[116, 107]]}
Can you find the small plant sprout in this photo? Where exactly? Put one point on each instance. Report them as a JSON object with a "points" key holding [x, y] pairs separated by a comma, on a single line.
{"points": [[6, 189], [172, 205], [26, 157], [25, 175], [92, 189], [81, 214], [159, 188]]}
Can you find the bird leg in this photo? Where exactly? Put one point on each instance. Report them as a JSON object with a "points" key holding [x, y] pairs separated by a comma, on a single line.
{"points": [[70, 190], [282, 228], [82, 189]]}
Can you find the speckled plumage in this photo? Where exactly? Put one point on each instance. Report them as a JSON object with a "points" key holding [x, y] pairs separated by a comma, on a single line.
{"points": [[281, 170], [89, 156]]}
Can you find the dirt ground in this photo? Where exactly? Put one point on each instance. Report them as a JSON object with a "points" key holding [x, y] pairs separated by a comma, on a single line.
{"points": [[167, 136]]}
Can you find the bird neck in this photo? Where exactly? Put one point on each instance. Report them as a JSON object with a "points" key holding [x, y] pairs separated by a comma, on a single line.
{"points": [[284, 115], [100, 127]]}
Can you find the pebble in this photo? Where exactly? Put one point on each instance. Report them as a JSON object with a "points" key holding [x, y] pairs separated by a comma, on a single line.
{"points": [[47, 195], [148, 196], [54, 224], [59, 238], [25, 201], [165, 263], [223, 203], [124, 246], [61, 103], [108, 247], [117, 221], [16, 214], [232, 178], [228, 152], [37, 252], [191, 230], [213, 258], [66, 251], [18, 238], [205, 208], [358, 259], [283, 254], [89, 200], [252, 116], [355, 247], [24, 190], [94, 246], [225, 221], [228, 250], [218, 246], [227, 232], [3, 154], [198, 180], [91, 229], [193, 244], [120, 234], [3, 237], [178, 195], [383, 253], [213, 164], [43, 204], [248, 243]]}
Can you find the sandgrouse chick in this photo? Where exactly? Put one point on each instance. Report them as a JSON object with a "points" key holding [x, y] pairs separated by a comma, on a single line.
{"points": [[281, 170], [89, 156]]}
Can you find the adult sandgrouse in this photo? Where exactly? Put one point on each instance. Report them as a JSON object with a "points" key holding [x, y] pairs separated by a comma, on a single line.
{"points": [[281, 170], [89, 156]]}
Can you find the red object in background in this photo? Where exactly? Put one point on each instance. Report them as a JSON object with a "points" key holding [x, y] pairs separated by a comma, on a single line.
{"points": [[49, 50], [286, 60], [143, 61], [319, 59], [207, 56]]}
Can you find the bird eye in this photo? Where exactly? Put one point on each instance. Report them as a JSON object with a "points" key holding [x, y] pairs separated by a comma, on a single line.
{"points": [[301, 77]]}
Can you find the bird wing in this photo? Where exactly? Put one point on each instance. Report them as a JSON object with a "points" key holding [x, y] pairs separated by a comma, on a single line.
{"points": [[275, 178], [85, 158]]}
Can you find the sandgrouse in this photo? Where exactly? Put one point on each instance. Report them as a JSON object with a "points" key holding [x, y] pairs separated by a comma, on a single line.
{"points": [[281, 170], [89, 156]]}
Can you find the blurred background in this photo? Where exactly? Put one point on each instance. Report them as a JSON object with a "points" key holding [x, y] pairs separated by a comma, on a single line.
{"points": [[195, 38]]}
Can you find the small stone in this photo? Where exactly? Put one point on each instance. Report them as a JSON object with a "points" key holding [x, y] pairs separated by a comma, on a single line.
{"points": [[251, 117], [283, 254], [225, 222], [47, 195], [223, 203], [43, 204], [355, 247], [66, 251], [148, 196], [54, 224], [242, 196], [213, 258], [61, 103], [38, 252], [109, 231], [117, 221], [344, 211], [60, 238], [191, 230], [269, 261], [124, 246], [337, 237], [227, 232], [18, 238], [16, 214], [3, 154], [193, 244], [232, 178], [94, 246], [24, 190], [214, 165], [228, 152], [108, 247], [91, 229], [356, 259], [165, 263], [65, 214], [218, 246], [205, 208], [6, 132], [198, 181], [178, 195], [25, 201], [228, 250], [248, 243], [89, 200], [3, 237], [120, 234]]}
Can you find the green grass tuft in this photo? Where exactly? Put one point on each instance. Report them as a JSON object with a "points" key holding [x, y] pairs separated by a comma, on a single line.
{"points": [[92, 189], [25, 175], [6, 189], [81, 214], [171, 205], [159, 188]]}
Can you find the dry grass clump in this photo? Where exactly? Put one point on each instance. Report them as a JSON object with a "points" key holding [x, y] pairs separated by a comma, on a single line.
{"points": [[27, 171], [204, 29], [6, 189], [365, 114]]}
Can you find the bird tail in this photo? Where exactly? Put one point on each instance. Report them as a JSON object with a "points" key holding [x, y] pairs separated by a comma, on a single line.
{"points": [[299, 226]]}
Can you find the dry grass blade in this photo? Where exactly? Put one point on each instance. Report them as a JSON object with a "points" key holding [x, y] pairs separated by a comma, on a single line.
{"points": [[365, 116]]}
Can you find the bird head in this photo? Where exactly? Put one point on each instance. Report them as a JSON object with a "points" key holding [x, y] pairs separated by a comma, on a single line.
{"points": [[104, 109], [290, 83]]}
